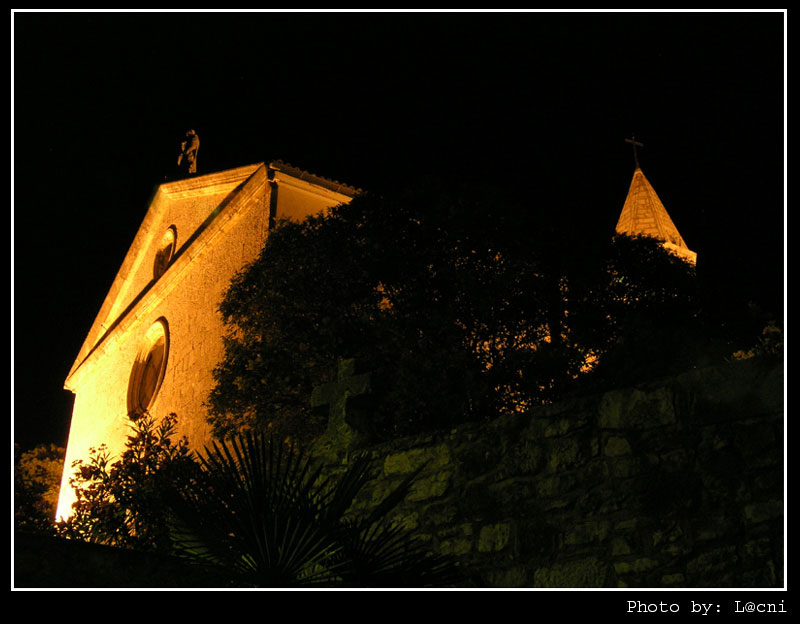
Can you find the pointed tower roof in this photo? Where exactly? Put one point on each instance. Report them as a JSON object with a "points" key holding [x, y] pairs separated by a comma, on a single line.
{"points": [[644, 215]]}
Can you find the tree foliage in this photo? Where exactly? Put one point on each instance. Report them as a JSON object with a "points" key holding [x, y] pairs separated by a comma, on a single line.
{"points": [[123, 502], [461, 305], [769, 344], [37, 480]]}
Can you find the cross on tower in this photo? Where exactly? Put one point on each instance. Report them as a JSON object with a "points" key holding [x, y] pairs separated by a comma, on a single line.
{"points": [[635, 144]]}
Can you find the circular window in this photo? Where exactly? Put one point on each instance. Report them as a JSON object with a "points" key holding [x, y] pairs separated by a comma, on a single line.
{"points": [[148, 369], [166, 248]]}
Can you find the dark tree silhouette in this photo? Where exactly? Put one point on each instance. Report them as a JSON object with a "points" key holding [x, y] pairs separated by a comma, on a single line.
{"points": [[37, 480], [461, 303]]}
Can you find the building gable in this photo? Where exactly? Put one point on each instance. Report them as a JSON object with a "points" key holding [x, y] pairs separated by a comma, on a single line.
{"points": [[184, 216], [183, 208]]}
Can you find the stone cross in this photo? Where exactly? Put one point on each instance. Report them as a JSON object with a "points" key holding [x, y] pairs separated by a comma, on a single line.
{"points": [[335, 395], [635, 144]]}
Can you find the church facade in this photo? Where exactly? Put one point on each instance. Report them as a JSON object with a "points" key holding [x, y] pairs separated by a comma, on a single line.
{"points": [[158, 334]]}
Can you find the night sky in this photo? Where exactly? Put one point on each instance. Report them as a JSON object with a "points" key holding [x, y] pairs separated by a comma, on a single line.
{"points": [[101, 100]]}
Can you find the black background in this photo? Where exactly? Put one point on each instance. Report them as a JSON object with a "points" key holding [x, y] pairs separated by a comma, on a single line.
{"points": [[101, 100]]}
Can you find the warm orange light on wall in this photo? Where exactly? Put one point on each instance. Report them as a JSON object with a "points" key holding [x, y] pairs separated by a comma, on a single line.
{"points": [[148, 369], [133, 361]]}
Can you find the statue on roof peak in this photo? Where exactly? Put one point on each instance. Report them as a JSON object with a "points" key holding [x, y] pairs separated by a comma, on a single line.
{"points": [[187, 159]]}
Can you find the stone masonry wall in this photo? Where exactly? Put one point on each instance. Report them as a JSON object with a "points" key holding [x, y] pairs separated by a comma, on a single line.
{"points": [[672, 484]]}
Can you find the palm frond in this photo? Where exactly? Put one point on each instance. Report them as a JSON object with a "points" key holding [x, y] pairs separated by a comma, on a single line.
{"points": [[266, 516]]}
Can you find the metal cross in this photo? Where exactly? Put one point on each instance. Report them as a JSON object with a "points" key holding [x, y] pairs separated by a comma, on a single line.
{"points": [[635, 144]]}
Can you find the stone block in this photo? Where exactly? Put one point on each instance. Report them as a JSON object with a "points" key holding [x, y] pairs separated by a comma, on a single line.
{"points": [[456, 546], [762, 512], [432, 486], [457, 540], [635, 408], [620, 546], [586, 572], [494, 537], [562, 426], [616, 447], [628, 524], [565, 453], [624, 467], [525, 457], [511, 577], [405, 462], [635, 566], [713, 567], [439, 513], [408, 521], [547, 487], [514, 491], [594, 531]]}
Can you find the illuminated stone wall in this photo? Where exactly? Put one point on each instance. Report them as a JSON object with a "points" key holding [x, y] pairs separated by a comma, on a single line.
{"points": [[677, 483], [196, 235]]}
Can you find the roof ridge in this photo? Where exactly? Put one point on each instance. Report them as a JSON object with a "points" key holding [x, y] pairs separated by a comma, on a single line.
{"points": [[302, 174]]}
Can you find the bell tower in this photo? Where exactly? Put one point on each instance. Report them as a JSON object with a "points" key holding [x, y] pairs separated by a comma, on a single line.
{"points": [[643, 214]]}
